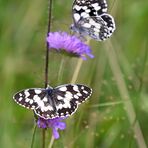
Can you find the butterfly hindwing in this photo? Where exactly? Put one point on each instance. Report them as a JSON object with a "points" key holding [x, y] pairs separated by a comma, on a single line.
{"points": [[109, 22], [47, 113], [94, 27]]}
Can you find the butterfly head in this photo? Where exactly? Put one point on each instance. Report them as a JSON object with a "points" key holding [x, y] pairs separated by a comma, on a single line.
{"points": [[49, 89]]}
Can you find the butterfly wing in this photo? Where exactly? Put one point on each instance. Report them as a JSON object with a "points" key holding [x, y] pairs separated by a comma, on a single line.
{"points": [[38, 100], [68, 97], [27, 97], [99, 28], [109, 23], [88, 8]]}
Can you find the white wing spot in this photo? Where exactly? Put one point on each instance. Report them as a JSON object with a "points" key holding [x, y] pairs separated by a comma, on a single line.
{"points": [[97, 8], [67, 112], [27, 100], [82, 87], [76, 97], [95, 5], [97, 29], [45, 108], [60, 98], [65, 105], [63, 88], [77, 7], [104, 10], [20, 94], [79, 94], [37, 91], [85, 91], [84, 7], [62, 114], [68, 95], [87, 25], [75, 88], [20, 99], [45, 99], [77, 16], [36, 98], [27, 94], [84, 14]]}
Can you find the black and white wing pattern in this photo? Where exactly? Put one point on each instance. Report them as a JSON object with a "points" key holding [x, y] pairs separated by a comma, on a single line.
{"points": [[50, 103], [91, 19]]}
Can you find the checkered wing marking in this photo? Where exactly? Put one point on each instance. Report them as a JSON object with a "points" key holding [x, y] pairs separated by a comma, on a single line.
{"points": [[26, 98], [99, 28], [109, 22], [91, 19], [68, 97], [50, 103], [38, 100], [88, 8]]}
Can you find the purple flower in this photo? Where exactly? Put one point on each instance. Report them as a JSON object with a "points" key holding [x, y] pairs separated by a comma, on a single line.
{"points": [[61, 41], [55, 124]]}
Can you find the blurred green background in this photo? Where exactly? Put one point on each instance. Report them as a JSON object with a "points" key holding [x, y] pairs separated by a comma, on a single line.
{"points": [[117, 113]]}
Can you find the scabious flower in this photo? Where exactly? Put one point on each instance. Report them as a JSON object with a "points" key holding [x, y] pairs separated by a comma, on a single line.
{"points": [[55, 124], [70, 44]]}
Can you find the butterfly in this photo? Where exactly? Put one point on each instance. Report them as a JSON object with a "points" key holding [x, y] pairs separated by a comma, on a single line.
{"points": [[91, 19], [55, 102]]}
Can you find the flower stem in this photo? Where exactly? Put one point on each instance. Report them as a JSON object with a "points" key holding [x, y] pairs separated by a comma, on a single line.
{"points": [[46, 63], [78, 67], [77, 70], [51, 142], [33, 136], [43, 137]]}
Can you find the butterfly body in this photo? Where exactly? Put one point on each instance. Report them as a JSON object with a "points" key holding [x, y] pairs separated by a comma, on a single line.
{"points": [[91, 19], [53, 102]]}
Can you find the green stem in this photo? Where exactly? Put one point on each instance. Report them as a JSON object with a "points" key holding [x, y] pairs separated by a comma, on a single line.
{"points": [[43, 137], [33, 136], [51, 142]]}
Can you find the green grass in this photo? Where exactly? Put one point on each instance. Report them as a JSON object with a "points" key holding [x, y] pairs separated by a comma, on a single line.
{"points": [[117, 113]]}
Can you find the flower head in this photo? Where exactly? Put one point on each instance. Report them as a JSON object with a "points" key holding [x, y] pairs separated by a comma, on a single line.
{"points": [[55, 124], [61, 41]]}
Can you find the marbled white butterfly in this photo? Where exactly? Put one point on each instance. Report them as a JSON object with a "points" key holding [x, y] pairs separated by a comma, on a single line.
{"points": [[91, 19], [51, 102]]}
